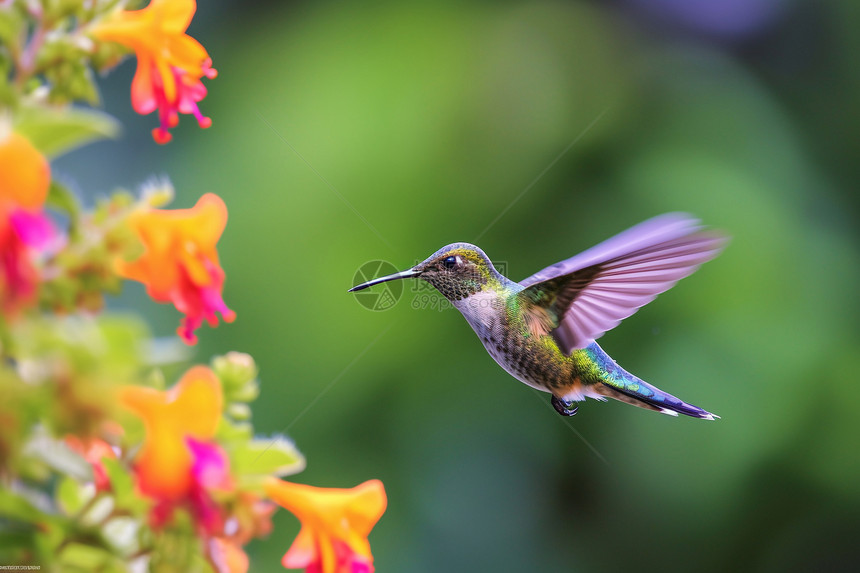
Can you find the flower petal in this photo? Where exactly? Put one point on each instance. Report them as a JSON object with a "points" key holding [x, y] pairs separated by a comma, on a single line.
{"points": [[227, 556], [35, 229], [210, 468], [24, 173], [302, 552]]}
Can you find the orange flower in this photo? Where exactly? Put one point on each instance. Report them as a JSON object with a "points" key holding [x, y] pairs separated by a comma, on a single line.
{"points": [[189, 410], [24, 174], [227, 556], [335, 525], [180, 262], [24, 179], [170, 63]]}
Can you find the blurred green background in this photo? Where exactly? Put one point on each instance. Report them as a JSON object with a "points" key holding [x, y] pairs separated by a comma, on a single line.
{"points": [[538, 129]]}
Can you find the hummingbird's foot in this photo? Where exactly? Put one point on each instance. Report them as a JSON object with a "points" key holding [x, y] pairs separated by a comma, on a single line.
{"points": [[564, 407]]}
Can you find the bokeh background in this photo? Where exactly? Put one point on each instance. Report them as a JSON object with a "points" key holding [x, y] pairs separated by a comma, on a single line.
{"points": [[350, 132]]}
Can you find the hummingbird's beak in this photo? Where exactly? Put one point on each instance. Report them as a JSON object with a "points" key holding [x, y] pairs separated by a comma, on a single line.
{"points": [[385, 279]]}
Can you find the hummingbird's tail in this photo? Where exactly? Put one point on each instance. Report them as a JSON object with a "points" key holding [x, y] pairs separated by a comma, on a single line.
{"points": [[655, 399], [615, 382]]}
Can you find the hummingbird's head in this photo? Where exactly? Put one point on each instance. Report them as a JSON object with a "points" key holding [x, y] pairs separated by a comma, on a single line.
{"points": [[457, 271]]}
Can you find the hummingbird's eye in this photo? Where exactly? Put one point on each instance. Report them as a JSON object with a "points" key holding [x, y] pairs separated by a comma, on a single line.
{"points": [[450, 262]]}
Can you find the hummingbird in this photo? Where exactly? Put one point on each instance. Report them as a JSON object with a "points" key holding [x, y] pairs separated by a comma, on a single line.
{"points": [[542, 330]]}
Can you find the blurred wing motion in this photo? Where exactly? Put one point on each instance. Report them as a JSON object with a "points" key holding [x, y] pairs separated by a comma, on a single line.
{"points": [[579, 299]]}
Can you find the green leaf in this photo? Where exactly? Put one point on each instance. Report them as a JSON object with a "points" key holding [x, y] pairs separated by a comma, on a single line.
{"points": [[202, 565], [54, 132], [122, 486], [174, 547], [25, 530], [121, 533], [258, 458], [80, 557], [58, 456], [98, 511], [231, 432], [71, 495], [10, 26], [15, 507], [62, 199]]}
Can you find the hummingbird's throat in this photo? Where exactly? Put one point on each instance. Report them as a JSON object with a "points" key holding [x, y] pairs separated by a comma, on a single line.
{"points": [[455, 287]]}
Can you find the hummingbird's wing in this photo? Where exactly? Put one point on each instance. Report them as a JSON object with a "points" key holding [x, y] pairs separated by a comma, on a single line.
{"points": [[579, 299]]}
